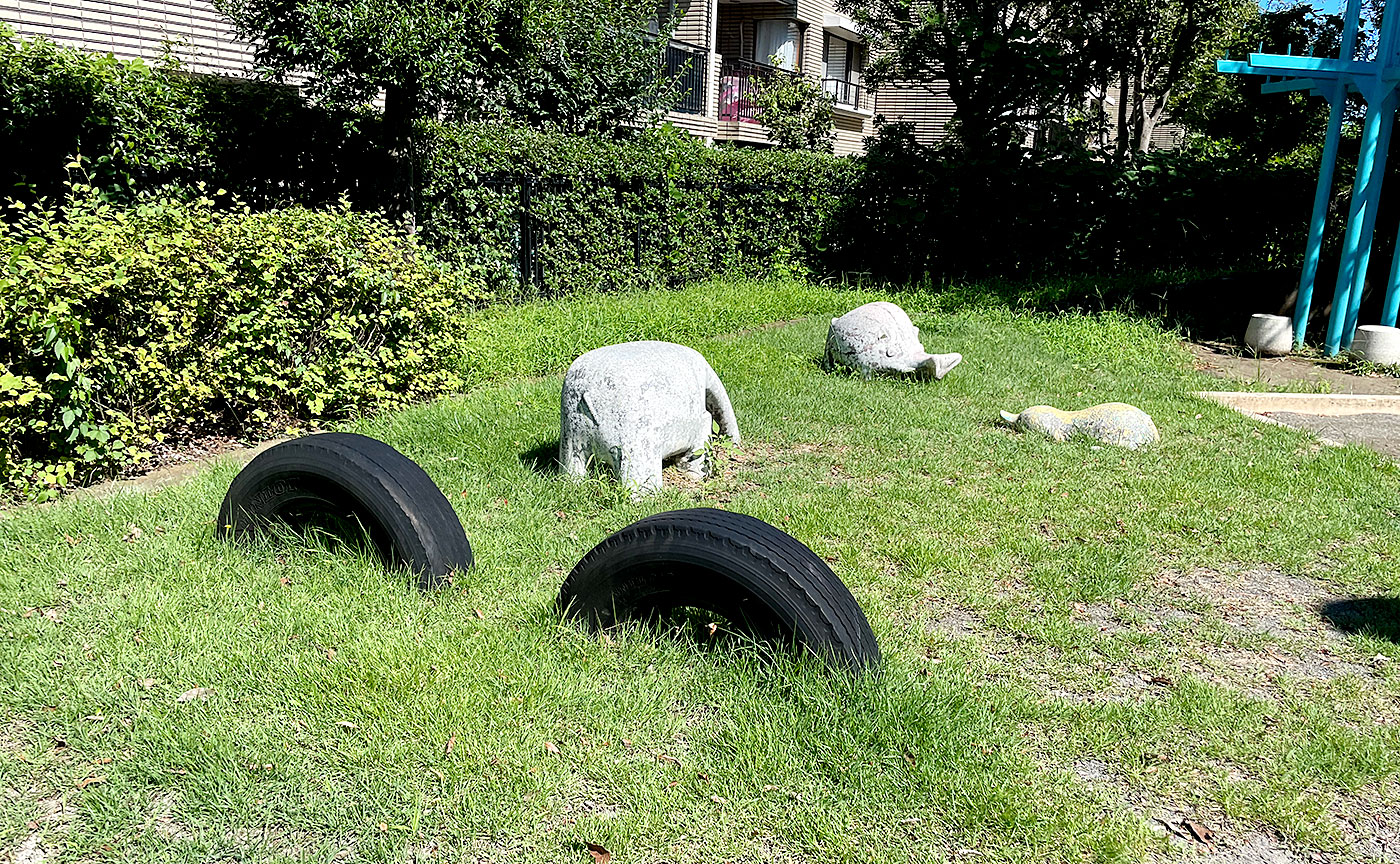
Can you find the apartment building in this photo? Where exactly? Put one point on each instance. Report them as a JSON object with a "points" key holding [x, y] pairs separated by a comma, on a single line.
{"points": [[721, 51], [730, 47]]}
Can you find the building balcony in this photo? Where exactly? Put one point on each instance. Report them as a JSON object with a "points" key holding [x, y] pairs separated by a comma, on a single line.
{"points": [[688, 66], [739, 82], [848, 95]]}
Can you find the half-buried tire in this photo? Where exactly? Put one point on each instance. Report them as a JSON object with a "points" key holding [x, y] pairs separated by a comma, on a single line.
{"points": [[753, 574], [354, 487]]}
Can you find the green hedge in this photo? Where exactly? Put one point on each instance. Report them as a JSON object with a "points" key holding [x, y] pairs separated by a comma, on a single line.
{"points": [[120, 328], [658, 210], [662, 209]]}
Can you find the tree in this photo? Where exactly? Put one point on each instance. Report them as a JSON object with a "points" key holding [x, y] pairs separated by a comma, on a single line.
{"points": [[1157, 45], [794, 109], [1008, 63], [1231, 108], [580, 66]]}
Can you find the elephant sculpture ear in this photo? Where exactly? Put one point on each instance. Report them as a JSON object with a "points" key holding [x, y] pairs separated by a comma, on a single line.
{"points": [[1009, 418]]}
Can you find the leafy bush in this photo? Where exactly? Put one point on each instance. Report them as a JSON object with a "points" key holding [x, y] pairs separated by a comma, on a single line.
{"points": [[657, 210], [795, 110], [139, 127], [916, 211], [120, 328]]}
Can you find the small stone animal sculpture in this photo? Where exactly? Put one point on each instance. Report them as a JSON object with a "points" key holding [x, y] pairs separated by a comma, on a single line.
{"points": [[879, 339], [1114, 423], [637, 405]]}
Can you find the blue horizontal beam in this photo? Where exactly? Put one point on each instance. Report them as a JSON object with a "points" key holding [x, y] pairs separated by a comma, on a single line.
{"points": [[1295, 63], [1291, 85]]}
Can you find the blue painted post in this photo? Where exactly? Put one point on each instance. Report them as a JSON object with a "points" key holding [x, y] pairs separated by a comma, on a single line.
{"points": [[1336, 97], [1373, 197], [1392, 291], [1351, 242]]}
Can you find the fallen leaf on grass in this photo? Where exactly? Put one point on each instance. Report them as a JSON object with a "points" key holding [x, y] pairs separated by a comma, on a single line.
{"points": [[479, 614], [600, 855], [451, 742], [91, 781], [1201, 833], [662, 757], [550, 746], [284, 581], [346, 724], [132, 534], [194, 693]]}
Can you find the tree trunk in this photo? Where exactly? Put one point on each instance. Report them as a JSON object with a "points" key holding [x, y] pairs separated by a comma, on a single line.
{"points": [[1120, 145], [400, 108], [1150, 120], [1139, 117]]}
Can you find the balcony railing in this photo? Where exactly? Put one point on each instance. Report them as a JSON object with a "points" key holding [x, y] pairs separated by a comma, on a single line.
{"points": [[847, 94], [687, 65], [739, 81]]}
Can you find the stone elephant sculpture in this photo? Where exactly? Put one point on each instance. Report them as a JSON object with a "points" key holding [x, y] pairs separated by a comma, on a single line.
{"points": [[636, 406]]}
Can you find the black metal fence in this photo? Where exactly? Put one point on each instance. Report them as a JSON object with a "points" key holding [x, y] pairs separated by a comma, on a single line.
{"points": [[847, 94]]}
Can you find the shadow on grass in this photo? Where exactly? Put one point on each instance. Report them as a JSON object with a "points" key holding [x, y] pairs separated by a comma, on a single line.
{"points": [[1365, 616], [543, 459]]}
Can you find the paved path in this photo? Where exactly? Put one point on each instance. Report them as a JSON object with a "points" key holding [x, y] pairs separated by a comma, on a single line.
{"points": [[1379, 431]]}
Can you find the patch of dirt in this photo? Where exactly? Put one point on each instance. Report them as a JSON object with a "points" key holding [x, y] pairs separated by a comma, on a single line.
{"points": [[290, 843], [31, 850], [1205, 834], [175, 465], [1258, 631], [1259, 626], [1224, 361], [1370, 822], [163, 821], [14, 737], [954, 621]]}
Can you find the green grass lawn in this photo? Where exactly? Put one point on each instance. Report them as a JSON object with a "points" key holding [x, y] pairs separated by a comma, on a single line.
{"points": [[1082, 645]]}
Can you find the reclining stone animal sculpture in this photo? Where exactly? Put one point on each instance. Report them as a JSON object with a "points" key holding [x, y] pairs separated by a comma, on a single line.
{"points": [[879, 339], [637, 405], [1116, 423]]}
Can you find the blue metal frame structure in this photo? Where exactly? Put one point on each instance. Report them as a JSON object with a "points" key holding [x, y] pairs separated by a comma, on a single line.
{"points": [[1333, 78]]}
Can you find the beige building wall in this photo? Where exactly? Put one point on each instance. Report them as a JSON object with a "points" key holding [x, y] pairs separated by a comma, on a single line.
{"points": [[129, 29], [925, 107]]}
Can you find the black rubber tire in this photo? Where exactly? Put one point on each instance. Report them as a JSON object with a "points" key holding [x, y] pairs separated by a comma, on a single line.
{"points": [[350, 478], [735, 565]]}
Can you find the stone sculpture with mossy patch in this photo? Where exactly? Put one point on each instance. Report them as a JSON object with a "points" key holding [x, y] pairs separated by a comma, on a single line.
{"points": [[1115, 423]]}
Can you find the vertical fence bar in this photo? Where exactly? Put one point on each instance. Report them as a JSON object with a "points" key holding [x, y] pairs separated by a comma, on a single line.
{"points": [[527, 262]]}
